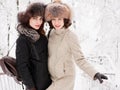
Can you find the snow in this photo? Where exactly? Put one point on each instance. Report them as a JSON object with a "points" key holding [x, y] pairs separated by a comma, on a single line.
{"points": [[97, 24]]}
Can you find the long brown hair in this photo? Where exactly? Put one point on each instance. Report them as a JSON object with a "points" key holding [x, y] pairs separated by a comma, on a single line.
{"points": [[34, 9]]}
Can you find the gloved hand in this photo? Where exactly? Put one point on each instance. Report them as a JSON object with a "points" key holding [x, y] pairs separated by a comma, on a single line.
{"points": [[100, 77]]}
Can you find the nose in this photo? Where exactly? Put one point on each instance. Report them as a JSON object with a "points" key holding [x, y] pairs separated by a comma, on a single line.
{"points": [[56, 22], [39, 21]]}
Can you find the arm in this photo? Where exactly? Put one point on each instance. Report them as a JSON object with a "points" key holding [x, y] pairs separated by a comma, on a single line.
{"points": [[22, 60], [80, 60]]}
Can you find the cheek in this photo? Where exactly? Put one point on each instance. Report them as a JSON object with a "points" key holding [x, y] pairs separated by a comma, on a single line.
{"points": [[53, 23], [62, 23], [30, 22], [41, 21]]}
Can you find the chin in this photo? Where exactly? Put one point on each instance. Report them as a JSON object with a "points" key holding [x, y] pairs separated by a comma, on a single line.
{"points": [[36, 28], [57, 28]]}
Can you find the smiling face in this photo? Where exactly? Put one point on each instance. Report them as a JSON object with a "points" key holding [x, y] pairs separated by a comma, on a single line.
{"points": [[35, 22], [58, 23]]}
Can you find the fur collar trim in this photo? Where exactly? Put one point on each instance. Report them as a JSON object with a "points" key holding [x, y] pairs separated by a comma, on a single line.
{"points": [[32, 34]]}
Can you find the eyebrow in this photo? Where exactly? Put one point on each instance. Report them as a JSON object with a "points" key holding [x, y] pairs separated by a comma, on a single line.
{"points": [[37, 16]]}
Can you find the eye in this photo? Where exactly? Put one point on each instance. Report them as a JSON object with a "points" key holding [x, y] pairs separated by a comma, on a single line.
{"points": [[53, 19], [34, 17], [41, 18], [60, 19]]}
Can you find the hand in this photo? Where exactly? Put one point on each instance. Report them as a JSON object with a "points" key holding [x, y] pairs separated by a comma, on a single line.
{"points": [[100, 77]]}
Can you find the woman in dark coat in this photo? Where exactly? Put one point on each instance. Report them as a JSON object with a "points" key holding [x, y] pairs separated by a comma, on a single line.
{"points": [[31, 48]]}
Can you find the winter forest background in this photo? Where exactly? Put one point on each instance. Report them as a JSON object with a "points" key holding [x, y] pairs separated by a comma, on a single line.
{"points": [[97, 24]]}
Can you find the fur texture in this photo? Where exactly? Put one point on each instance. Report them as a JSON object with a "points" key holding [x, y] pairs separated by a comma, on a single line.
{"points": [[32, 34], [57, 10]]}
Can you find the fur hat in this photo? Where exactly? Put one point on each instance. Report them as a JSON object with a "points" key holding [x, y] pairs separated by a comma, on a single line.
{"points": [[57, 9]]}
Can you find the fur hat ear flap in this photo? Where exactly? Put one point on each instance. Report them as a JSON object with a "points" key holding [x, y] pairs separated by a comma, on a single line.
{"points": [[57, 9]]}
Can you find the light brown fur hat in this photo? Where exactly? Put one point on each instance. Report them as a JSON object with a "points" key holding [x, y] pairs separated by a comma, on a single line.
{"points": [[57, 9]]}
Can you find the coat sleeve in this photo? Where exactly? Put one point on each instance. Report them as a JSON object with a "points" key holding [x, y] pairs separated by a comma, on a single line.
{"points": [[75, 48], [22, 60]]}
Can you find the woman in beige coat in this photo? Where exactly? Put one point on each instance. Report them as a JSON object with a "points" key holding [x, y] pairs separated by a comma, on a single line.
{"points": [[63, 48]]}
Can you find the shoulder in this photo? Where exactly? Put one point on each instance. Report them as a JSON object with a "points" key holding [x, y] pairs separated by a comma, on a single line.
{"points": [[50, 33], [22, 39], [42, 38], [71, 35], [23, 43]]}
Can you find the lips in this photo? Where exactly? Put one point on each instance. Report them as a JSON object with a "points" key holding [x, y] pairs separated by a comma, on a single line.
{"points": [[37, 25], [57, 26]]}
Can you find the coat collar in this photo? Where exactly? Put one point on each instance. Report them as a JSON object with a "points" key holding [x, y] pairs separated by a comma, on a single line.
{"points": [[31, 33], [60, 32]]}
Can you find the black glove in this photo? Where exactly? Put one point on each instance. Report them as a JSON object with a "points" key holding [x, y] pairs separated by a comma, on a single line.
{"points": [[100, 77]]}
